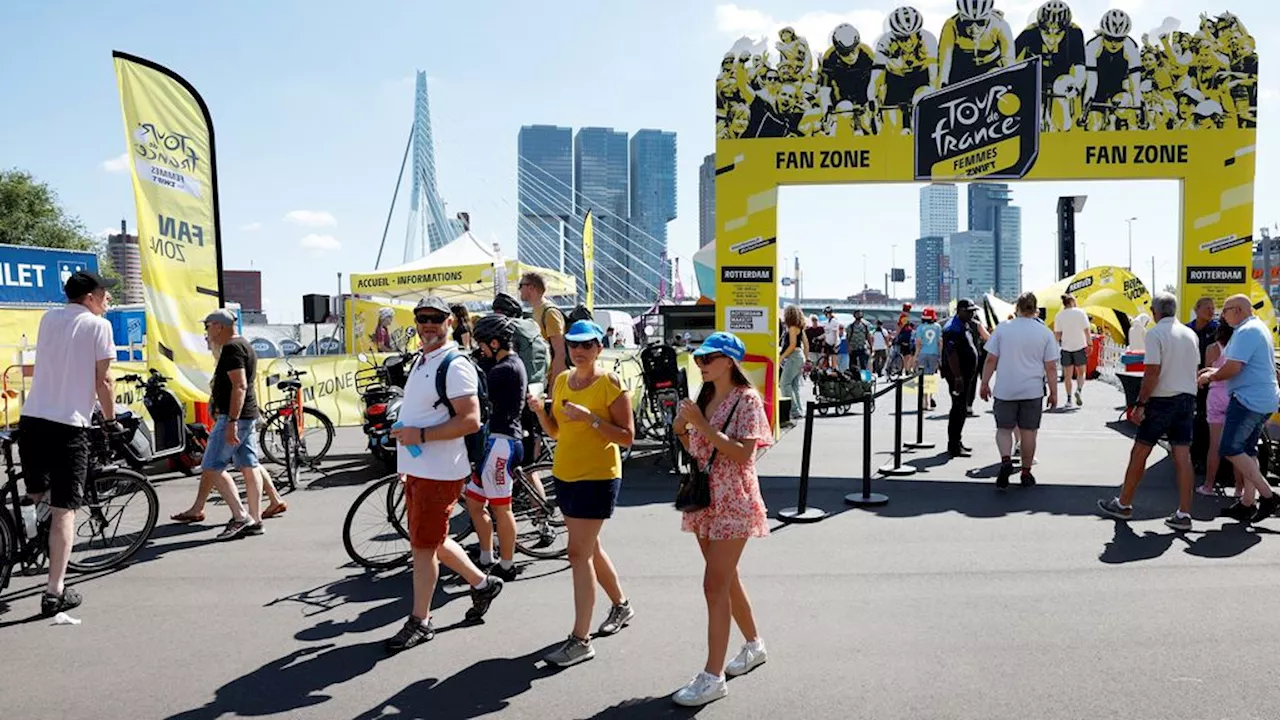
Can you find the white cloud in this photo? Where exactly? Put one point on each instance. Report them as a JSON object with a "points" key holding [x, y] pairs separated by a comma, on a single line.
{"points": [[311, 218], [320, 244], [251, 227], [117, 164]]}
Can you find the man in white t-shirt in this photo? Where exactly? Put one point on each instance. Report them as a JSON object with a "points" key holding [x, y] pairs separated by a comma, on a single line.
{"points": [[432, 459], [1071, 325], [1166, 409], [1022, 354], [74, 350], [830, 338]]}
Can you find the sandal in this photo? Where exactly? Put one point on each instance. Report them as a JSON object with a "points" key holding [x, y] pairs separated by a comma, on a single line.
{"points": [[1207, 492], [187, 517], [275, 510]]}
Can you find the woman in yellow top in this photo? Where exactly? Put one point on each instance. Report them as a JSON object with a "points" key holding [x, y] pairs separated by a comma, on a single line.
{"points": [[590, 418]]}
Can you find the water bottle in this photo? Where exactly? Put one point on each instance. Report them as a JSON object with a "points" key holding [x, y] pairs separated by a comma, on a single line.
{"points": [[414, 450], [29, 517]]}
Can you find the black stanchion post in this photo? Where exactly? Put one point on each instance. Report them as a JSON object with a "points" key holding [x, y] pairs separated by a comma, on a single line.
{"points": [[897, 469], [866, 498], [802, 513], [920, 444]]}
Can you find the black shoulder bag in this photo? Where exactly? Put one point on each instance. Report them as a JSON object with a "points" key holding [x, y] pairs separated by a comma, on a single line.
{"points": [[694, 492]]}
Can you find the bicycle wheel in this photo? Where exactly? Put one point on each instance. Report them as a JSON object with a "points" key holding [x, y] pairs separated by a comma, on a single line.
{"points": [[315, 441], [8, 547], [374, 533], [540, 528], [114, 501]]}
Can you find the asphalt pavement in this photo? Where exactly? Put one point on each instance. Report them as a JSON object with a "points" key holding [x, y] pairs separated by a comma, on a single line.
{"points": [[952, 601]]}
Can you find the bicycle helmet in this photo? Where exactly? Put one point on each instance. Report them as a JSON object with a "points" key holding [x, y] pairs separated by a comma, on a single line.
{"points": [[386, 313], [845, 38], [1115, 24], [505, 304], [1054, 12], [905, 21], [975, 9], [493, 327]]}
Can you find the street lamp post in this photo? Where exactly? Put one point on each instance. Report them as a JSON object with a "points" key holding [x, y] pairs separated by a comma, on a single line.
{"points": [[1130, 221]]}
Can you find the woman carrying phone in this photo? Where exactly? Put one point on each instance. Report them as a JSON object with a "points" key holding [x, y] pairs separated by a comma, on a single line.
{"points": [[591, 418], [728, 420]]}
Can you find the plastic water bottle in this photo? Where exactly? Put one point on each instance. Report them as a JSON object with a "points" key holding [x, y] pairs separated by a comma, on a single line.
{"points": [[29, 517], [414, 450]]}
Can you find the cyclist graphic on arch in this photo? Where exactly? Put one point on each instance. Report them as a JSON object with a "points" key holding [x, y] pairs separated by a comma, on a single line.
{"points": [[974, 41], [906, 67], [846, 69], [1059, 43], [1113, 68]]}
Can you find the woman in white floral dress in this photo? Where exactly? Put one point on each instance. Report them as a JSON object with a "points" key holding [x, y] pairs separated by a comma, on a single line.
{"points": [[728, 419]]}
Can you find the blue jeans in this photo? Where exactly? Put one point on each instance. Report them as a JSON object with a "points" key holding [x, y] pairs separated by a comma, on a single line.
{"points": [[218, 454], [792, 369], [842, 361], [1242, 430]]}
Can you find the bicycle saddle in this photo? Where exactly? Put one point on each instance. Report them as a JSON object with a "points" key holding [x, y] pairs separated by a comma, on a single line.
{"points": [[289, 385]]}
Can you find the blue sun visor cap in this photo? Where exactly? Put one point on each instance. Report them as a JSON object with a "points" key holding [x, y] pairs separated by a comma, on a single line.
{"points": [[584, 331], [726, 344]]}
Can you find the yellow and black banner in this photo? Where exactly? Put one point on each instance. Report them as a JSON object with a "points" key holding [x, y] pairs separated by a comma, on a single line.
{"points": [[589, 260], [175, 184]]}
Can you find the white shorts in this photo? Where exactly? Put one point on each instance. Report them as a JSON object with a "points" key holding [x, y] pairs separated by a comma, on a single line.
{"points": [[494, 481]]}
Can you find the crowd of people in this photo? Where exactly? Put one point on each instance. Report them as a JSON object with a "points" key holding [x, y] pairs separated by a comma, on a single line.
{"points": [[1177, 80]]}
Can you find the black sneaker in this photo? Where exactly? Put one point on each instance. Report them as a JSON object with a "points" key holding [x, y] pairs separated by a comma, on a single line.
{"points": [[234, 529], [1002, 478], [1266, 507], [1240, 512], [958, 452], [51, 604], [1028, 480], [413, 633], [505, 574], [481, 599]]}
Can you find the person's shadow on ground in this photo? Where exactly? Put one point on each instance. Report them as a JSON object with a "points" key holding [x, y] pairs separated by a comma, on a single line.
{"points": [[486, 687], [1128, 547]]}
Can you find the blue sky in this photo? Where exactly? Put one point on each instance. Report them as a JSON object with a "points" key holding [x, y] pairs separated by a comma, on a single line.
{"points": [[312, 102]]}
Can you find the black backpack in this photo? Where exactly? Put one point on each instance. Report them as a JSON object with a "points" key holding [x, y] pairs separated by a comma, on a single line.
{"points": [[478, 441], [578, 313]]}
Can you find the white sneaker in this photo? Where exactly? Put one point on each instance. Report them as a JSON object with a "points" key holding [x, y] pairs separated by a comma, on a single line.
{"points": [[702, 689], [747, 660]]}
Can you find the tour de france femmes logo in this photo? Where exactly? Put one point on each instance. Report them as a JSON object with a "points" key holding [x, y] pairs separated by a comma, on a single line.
{"points": [[987, 127]]}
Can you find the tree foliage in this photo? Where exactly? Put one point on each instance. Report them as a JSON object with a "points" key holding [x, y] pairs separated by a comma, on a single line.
{"points": [[30, 214]]}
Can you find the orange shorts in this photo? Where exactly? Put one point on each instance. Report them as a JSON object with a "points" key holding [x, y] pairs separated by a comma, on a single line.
{"points": [[429, 504]]}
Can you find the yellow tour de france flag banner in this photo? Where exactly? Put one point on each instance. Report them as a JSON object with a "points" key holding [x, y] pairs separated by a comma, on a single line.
{"points": [[170, 138], [589, 260]]}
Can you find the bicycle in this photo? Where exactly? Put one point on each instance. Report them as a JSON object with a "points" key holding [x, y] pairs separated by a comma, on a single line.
{"points": [[305, 421], [375, 535], [96, 545]]}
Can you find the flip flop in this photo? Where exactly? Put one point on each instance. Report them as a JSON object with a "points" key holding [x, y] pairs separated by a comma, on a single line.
{"points": [[187, 517], [1200, 490], [275, 510]]}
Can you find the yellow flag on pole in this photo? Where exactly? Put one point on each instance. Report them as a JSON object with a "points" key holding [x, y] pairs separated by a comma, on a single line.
{"points": [[589, 260], [175, 184]]}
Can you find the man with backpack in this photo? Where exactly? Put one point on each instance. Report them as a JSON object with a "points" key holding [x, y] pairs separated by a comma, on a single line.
{"points": [[532, 349], [550, 320], [441, 412]]}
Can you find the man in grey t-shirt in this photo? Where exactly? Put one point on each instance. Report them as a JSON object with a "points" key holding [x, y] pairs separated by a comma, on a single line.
{"points": [[1023, 354]]}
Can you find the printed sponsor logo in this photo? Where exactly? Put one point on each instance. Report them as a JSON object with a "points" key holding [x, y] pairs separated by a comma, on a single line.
{"points": [[987, 127], [1201, 275], [1079, 285], [1226, 243], [747, 319], [753, 274], [751, 245]]}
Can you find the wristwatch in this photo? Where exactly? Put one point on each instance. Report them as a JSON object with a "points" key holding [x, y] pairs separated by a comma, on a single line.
{"points": [[595, 422]]}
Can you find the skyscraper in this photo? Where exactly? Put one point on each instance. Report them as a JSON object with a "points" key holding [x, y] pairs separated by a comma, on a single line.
{"points": [[429, 226], [972, 260], [126, 257], [930, 252], [990, 211], [707, 201], [600, 184], [939, 210], [544, 189], [653, 205]]}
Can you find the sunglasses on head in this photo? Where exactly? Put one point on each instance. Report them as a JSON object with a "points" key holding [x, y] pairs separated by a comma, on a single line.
{"points": [[579, 344], [707, 359], [430, 318]]}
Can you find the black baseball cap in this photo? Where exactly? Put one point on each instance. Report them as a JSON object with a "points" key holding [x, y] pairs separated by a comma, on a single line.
{"points": [[83, 282], [965, 304], [433, 302]]}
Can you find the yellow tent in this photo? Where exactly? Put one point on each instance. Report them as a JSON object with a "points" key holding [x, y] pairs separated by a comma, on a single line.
{"points": [[1110, 296], [462, 271]]}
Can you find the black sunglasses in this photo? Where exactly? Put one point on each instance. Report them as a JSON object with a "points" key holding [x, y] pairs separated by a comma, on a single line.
{"points": [[707, 359], [579, 344], [432, 319]]}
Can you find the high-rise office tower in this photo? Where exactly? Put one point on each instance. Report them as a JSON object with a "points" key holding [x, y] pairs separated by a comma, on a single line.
{"points": [[990, 210], [600, 183], [939, 210], [972, 259], [126, 257], [930, 252], [707, 201], [653, 205], [544, 190]]}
